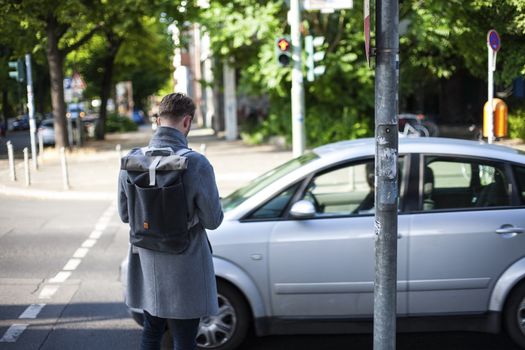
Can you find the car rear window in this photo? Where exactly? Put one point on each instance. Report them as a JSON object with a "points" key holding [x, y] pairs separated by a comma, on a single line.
{"points": [[520, 179]]}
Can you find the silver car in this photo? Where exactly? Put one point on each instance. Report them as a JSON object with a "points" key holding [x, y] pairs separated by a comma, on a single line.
{"points": [[295, 253]]}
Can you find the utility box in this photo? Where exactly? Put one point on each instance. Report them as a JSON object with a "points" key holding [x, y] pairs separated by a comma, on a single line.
{"points": [[499, 116]]}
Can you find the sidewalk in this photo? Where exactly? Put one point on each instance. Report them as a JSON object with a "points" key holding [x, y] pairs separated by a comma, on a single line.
{"points": [[93, 170]]}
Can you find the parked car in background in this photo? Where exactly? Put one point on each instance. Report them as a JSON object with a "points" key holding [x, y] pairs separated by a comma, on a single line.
{"points": [[46, 130], [21, 123], [295, 253]]}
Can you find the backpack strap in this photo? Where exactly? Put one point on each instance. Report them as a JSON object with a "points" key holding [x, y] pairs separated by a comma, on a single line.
{"points": [[152, 169]]}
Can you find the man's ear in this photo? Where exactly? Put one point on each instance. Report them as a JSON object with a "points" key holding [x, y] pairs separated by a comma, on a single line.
{"points": [[187, 121]]}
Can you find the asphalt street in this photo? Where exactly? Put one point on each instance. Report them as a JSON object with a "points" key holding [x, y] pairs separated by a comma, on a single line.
{"points": [[19, 139], [59, 270]]}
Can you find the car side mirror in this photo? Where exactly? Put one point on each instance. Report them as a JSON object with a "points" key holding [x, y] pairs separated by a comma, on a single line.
{"points": [[303, 209]]}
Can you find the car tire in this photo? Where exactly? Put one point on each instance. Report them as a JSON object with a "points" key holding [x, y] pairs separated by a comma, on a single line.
{"points": [[514, 315], [228, 329]]}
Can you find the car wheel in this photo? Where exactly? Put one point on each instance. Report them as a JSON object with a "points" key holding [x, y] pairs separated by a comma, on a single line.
{"points": [[515, 315], [228, 329]]}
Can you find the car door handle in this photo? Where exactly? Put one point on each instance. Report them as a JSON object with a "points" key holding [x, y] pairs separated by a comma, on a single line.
{"points": [[509, 229]]}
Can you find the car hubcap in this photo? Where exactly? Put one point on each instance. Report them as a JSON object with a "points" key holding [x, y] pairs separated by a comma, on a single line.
{"points": [[216, 330], [521, 315]]}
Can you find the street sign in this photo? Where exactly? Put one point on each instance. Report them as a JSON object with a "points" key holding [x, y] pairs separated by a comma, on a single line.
{"points": [[493, 40], [367, 29], [313, 5], [493, 46]]}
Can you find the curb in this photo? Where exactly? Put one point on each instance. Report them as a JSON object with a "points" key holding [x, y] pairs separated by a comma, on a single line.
{"points": [[58, 195]]}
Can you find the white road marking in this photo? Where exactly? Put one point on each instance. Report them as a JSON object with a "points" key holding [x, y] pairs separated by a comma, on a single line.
{"points": [[13, 332], [47, 292], [95, 234], [72, 264], [80, 253], [101, 226], [88, 243], [32, 311], [60, 277]]}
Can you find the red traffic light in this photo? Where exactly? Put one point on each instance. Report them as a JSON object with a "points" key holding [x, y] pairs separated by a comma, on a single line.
{"points": [[283, 44]]}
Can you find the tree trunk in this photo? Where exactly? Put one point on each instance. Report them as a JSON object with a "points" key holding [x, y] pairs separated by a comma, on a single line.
{"points": [[107, 78], [55, 60], [105, 91]]}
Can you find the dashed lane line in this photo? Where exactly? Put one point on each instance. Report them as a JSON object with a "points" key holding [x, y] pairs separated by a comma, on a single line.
{"points": [[13, 332], [32, 311], [49, 290]]}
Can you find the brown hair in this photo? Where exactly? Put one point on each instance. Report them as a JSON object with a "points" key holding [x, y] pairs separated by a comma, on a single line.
{"points": [[175, 106]]}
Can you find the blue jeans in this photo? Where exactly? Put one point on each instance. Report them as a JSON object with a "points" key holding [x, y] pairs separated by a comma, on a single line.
{"points": [[184, 332]]}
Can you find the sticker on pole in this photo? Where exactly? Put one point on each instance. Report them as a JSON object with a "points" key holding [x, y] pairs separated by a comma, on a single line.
{"points": [[493, 40]]}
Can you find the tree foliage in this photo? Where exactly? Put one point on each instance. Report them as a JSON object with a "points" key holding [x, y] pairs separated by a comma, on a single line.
{"points": [[442, 38]]}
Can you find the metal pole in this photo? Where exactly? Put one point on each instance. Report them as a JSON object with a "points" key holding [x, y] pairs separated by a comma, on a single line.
{"points": [[230, 102], [26, 167], [65, 173], [10, 155], [386, 195], [298, 128], [490, 123], [31, 109]]}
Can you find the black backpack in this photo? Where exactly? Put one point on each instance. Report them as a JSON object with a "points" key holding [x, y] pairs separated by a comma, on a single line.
{"points": [[158, 213]]}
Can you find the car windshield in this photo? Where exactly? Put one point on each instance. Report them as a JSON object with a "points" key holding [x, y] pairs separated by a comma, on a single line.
{"points": [[256, 185]]}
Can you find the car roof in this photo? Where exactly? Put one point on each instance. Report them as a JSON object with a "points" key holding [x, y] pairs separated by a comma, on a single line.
{"points": [[427, 145]]}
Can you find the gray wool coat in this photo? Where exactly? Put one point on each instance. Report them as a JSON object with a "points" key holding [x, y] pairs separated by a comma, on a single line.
{"points": [[177, 285]]}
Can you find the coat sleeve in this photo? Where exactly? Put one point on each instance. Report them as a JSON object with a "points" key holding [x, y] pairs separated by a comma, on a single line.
{"points": [[208, 204], [122, 198]]}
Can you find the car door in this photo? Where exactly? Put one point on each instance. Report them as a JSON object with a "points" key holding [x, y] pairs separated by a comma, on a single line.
{"points": [[463, 236], [324, 266]]}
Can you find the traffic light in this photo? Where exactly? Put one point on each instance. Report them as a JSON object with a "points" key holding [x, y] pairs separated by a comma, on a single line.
{"points": [[283, 51], [17, 70], [312, 46]]}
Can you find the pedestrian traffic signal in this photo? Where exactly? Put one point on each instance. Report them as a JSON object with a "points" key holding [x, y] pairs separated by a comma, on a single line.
{"points": [[314, 55], [283, 51], [17, 70]]}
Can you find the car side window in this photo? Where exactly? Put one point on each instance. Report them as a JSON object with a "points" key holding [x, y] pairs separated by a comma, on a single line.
{"points": [[274, 208], [347, 190], [519, 173], [463, 183]]}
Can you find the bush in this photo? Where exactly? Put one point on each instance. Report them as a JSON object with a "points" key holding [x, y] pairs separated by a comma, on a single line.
{"points": [[517, 124], [119, 123]]}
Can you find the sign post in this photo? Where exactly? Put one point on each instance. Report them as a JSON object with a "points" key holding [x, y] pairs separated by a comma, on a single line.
{"points": [[493, 46], [367, 29], [31, 110]]}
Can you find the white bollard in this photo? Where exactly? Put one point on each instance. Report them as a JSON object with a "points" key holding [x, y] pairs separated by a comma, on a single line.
{"points": [[26, 167], [65, 173], [118, 148], [203, 149], [41, 147], [10, 155]]}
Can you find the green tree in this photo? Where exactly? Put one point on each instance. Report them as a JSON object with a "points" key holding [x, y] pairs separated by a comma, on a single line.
{"points": [[61, 26]]}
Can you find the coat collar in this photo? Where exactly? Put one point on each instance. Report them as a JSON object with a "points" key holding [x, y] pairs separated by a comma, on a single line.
{"points": [[168, 137]]}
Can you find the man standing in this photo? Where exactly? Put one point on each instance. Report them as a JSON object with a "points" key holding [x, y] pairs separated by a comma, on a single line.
{"points": [[176, 289]]}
